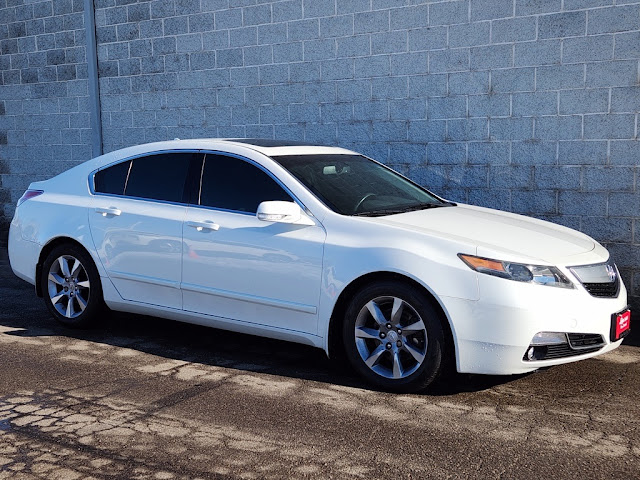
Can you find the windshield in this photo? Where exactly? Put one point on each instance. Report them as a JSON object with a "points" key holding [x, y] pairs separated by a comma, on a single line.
{"points": [[356, 185]]}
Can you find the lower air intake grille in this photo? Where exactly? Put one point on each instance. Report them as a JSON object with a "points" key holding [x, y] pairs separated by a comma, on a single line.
{"points": [[582, 341]]}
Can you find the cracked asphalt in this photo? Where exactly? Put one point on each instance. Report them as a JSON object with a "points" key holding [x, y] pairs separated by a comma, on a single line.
{"points": [[141, 397]]}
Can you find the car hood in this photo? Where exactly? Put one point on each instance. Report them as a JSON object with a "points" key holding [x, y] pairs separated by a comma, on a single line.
{"points": [[494, 231]]}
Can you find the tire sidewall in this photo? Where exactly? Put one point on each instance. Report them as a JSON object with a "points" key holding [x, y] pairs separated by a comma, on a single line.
{"points": [[94, 303], [434, 359]]}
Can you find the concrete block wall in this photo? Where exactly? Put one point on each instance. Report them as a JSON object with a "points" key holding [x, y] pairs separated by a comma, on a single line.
{"points": [[44, 119], [529, 106]]}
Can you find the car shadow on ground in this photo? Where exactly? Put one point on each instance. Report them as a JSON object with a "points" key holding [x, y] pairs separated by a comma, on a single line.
{"points": [[209, 346]]}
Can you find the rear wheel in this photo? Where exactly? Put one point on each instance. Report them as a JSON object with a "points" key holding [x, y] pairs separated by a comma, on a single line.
{"points": [[71, 286], [393, 337]]}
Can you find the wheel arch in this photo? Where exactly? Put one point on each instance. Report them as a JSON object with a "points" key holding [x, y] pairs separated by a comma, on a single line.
{"points": [[334, 342], [47, 249]]}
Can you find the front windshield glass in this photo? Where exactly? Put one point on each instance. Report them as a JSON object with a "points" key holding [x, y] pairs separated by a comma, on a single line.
{"points": [[356, 185]]}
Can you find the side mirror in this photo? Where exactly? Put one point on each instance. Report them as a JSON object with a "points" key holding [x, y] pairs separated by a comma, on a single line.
{"points": [[283, 212]]}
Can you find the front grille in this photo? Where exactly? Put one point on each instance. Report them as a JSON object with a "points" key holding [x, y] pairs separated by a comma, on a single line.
{"points": [[583, 341], [603, 290]]}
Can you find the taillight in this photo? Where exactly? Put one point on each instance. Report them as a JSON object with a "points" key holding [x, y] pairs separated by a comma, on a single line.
{"points": [[28, 195]]}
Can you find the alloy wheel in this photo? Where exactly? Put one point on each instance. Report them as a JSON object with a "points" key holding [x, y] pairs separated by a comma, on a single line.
{"points": [[68, 286]]}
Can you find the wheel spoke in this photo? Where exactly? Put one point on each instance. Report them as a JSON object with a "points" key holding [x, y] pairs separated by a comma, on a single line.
{"points": [[55, 278], [84, 284], [75, 269], [415, 353], [396, 311], [70, 310], [414, 327], [397, 367], [81, 302], [64, 266], [376, 313], [375, 355], [364, 332], [57, 298]]}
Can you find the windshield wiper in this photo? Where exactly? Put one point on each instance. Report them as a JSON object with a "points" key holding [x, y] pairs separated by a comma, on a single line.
{"points": [[392, 211]]}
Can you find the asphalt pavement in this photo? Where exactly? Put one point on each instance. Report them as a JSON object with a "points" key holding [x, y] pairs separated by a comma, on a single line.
{"points": [[142, 397]]}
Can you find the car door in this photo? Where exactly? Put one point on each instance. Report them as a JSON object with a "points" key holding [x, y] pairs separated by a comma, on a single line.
{"points": [[238, 267], [136, 223]]}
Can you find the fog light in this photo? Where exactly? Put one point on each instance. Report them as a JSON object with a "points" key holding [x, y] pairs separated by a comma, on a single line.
{"points": [[530, 353]]}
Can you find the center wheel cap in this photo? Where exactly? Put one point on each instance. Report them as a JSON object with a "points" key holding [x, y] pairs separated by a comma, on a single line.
{"points": [[392, 336]]}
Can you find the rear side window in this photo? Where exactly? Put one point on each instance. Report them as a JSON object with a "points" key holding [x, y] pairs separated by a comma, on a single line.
{"points": [[111, 180], [159, 177], [233, 184]]}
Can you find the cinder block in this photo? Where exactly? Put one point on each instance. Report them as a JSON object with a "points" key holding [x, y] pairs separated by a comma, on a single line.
{"points": [[451, 60], [408, 109], [319, 8], [607, 229], [511, 128], [584, 101], [489, 153], [304, 112], [319, 49], [541, 52], [409, 17], [491, 57], [231, 18], [582, 152], [497, 105], [609, 126], [258, 55], [303, 29], [587, 49], [355, 46], [558, 177], [372, 110], [468, 129], [449, 153], [513, 80], [624, 204], [339, 69], [612, 74], [188, 43], [490, 198], [274, 114], [626, 99], [305, 72], [271, 74], [351, 90], [389, 42], [409, 63], [370, 22], [449, 13], [272, 34], [287, 52], [539, 202], [390, 131], [353, 6], [469, 34], [468, 83], [427, 38], [535, 104], [620, 18], [425, 85], [511, 30], [625, 152], [257, 15], [336, 112], [560, 77], [287, 10], [339, 26], [389, 87], [231, 57], [582, 203], [467, 175], [599, 178], [241, 37], [627, 45], [490, 9], [563, 127], [560, 25], [175, 25]]}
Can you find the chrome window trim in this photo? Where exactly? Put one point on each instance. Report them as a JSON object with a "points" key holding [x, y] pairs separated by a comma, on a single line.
{"points": [[91, 179]]}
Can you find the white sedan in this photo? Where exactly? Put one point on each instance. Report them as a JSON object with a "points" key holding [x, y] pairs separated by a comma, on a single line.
{"points": [[321, 246]]}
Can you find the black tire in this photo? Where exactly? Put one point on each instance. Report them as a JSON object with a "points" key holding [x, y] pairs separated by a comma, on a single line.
{"points": [[82, 288], [396, 347]]}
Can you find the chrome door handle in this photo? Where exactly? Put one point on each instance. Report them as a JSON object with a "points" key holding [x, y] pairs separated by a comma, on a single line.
{"points": [[104, 211], [204, 225]]}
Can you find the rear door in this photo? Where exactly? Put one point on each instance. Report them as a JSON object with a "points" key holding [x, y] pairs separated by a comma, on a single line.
{"points": [[136, 222]]}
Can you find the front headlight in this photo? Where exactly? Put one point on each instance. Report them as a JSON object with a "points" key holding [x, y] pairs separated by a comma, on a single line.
{"points": [[538, 274]]}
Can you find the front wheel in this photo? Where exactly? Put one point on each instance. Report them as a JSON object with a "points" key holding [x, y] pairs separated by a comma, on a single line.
{"points": [[71, 286], [393, 337]]}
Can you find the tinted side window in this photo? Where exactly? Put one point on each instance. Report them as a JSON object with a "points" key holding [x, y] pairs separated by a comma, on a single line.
{"points": [[160, 177], [234, 184], [111, 180]]}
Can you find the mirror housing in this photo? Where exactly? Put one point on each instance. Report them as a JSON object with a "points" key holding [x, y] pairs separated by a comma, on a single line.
{"points": [[282, 212]]}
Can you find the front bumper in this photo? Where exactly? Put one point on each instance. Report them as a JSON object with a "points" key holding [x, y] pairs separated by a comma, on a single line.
{"points": [[493, 334]]}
